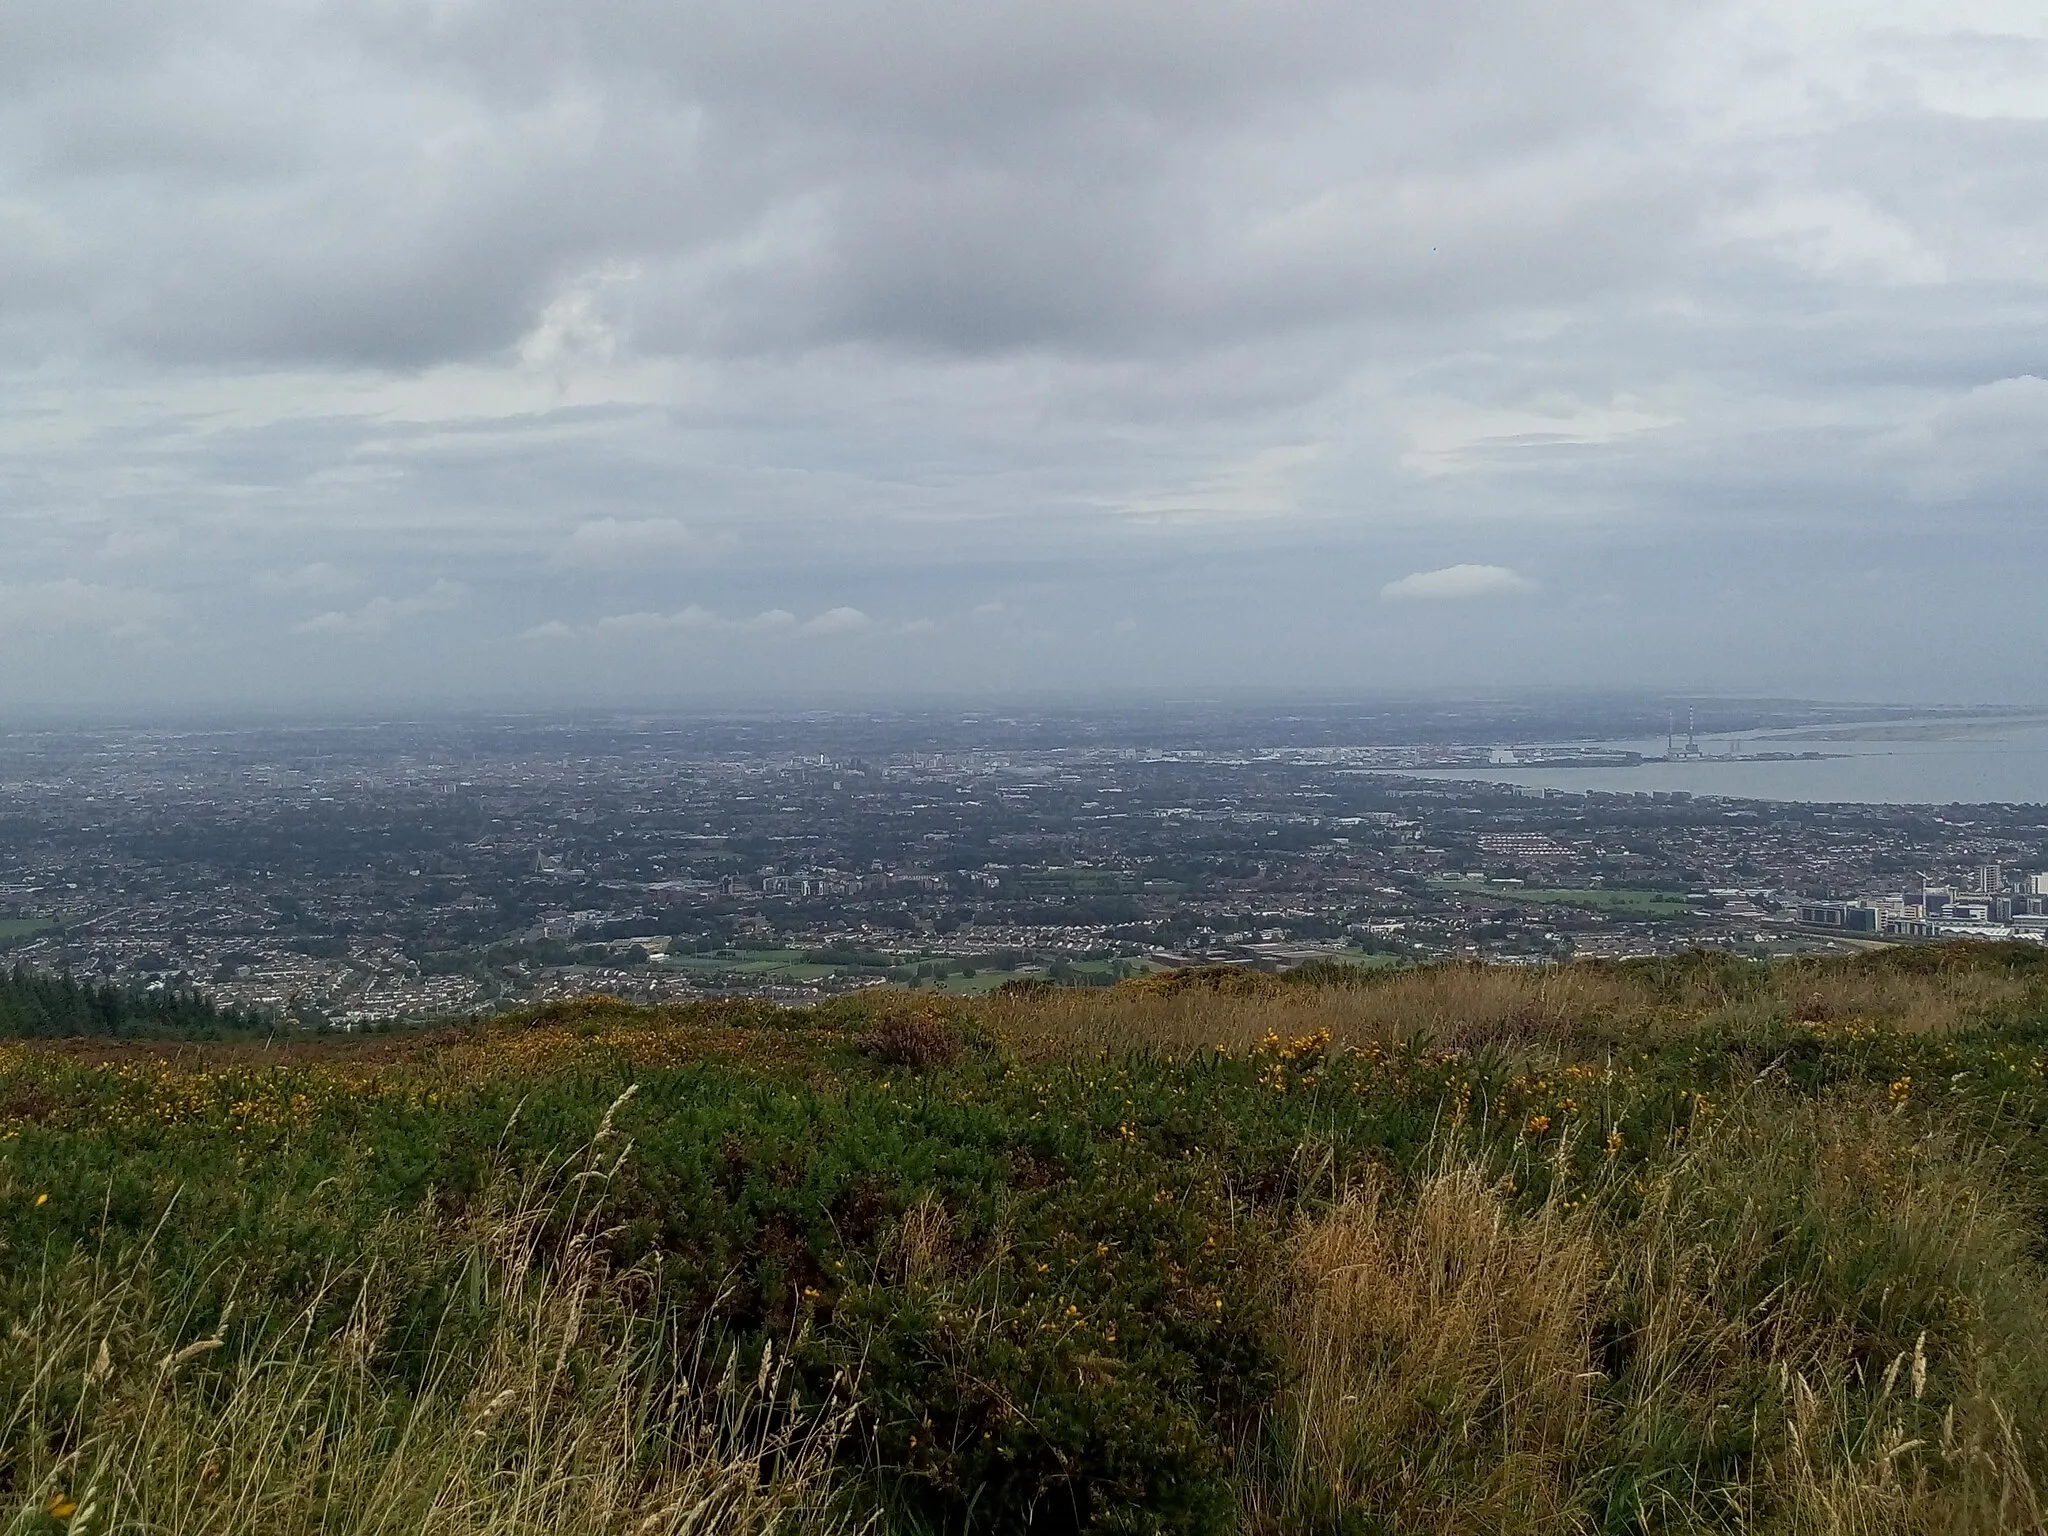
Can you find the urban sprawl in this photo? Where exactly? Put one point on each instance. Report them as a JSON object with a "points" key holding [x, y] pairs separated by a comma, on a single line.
{"points": [[350, 875]]}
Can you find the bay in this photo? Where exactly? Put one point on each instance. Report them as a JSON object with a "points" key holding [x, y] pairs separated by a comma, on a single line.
{"points": [[1928, 762]]}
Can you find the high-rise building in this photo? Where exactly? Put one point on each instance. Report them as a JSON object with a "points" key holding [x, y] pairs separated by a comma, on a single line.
{"points": [[1990, 879], [1850, 916], [2037, 885]]}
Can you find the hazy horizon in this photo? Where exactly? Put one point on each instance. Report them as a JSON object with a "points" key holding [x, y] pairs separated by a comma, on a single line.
{"points": [[521, 353], [1502, 715]]}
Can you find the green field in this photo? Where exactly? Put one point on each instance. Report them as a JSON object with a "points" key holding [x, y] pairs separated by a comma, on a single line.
{"points": [[1071, 882], [789, 966], [980, 984], [756, 964], [987, 979], [14, 929], [1370, 962], [1631, 903], [1359, 959], [1690, 1245]]}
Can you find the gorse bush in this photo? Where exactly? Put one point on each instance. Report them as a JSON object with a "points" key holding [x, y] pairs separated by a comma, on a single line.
{"points": [[923, 1034], [1697, 1245]]}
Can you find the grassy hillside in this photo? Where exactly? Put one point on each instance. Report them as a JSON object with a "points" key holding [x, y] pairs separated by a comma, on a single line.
{"points": [[1672, 1246]]}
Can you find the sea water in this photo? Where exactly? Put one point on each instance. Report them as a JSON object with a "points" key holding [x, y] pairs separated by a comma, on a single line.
{"points": [[1897, 762]]}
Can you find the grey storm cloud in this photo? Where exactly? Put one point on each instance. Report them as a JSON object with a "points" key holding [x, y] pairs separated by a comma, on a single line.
{"points": [[443, 322], [402, 184]]}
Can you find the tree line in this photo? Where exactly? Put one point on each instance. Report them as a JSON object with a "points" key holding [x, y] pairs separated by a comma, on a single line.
{"points": [[41, 1006]]}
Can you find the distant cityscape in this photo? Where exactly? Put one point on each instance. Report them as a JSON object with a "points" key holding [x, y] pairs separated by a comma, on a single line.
{"points": [[353, 874], [1996, 903]]}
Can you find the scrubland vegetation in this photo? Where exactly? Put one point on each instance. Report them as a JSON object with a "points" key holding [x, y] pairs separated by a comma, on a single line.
{"points": [[1688, 1245]]}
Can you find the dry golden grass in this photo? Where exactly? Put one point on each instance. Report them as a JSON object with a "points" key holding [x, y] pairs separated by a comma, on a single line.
{"points": [[1477, 1005], [1441, 1366], [1463, 1362], [1461, 1004], [1919, 1002], [924, 1241]]}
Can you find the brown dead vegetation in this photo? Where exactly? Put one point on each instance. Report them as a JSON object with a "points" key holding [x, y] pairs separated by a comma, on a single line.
{"points": [[1474, 1006]]}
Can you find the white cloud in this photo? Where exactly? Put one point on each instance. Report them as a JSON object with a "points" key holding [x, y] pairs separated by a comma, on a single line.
{"points": [[1262, 485], [610, 543], [316, 579], [1837, 234], [547, 634], [989, 609], [917, 627], [683, 621], [573, 331], [836, 621], [135, 545], [697, 619], [1990, 440], [381, 614], [71, 606], [1456, 583], [1449, 435], [693, 619]]}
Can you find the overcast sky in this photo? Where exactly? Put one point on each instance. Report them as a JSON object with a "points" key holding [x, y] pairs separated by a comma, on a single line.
{"points": [[545, 349]]}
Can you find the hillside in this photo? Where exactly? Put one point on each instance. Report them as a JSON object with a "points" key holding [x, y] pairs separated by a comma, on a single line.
{"points": [[1694, 1244]]}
